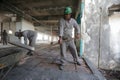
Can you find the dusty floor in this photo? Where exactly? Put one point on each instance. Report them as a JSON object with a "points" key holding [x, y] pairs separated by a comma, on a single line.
{"points": [[44, 66]]}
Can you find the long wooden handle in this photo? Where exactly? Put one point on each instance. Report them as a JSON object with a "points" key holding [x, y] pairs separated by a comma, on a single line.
{"points": [[22, 45]]}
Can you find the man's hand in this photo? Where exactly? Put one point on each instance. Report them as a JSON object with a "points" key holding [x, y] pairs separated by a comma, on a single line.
{"points": [[77, 36], [60, 40]]}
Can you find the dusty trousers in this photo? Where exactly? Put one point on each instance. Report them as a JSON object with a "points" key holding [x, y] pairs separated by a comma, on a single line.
{"points": [[70, 45], [5, 40], [32, 41]]}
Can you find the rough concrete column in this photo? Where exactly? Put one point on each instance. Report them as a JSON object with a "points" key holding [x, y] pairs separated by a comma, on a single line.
{"points": [[99, 44]]}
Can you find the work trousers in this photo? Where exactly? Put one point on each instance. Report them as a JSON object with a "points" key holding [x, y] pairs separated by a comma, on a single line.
{"points": [[70, 45], [5, 40], [32, 40]]}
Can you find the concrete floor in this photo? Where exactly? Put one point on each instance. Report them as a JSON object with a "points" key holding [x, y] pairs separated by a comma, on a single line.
{"points": [[44, 66], [5, 46]]}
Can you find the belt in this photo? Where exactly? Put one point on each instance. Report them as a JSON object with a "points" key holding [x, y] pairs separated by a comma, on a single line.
{"points": [[67, 39]]}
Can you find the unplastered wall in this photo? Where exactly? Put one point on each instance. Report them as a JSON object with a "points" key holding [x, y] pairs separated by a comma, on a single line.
{"points": [[98, 29], [114, 21], [9, 26], [18, 26], [26, 25]]}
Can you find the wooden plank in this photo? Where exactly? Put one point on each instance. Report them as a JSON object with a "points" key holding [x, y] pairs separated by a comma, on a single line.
{"points": [[94, 70], [22, 45]]}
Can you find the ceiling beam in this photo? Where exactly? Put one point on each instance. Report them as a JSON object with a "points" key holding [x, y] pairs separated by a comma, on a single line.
{"points": [[52, 17], [48, 21], [114, 7], [41, 2]]}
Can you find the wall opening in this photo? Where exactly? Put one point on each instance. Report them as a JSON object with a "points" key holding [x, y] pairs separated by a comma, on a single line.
{"points": [[114, 21]]}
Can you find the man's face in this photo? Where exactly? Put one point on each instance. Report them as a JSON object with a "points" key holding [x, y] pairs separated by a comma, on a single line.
{"points": [[67, 16]]}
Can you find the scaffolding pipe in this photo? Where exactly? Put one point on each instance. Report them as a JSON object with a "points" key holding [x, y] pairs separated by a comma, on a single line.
{"points": [[1, 32], [99, 53]]}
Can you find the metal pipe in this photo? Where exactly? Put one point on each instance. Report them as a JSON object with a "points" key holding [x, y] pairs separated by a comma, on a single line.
{"points": [[99, 54], [51, 34]]}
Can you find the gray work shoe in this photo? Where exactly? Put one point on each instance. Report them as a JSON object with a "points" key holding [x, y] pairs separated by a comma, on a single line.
{"points": [[62, 64], [30, 53], [61, 67], [78, 63]]}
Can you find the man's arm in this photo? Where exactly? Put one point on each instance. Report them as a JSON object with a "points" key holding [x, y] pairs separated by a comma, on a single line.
{"points": [[60, 31], [60, 28]]}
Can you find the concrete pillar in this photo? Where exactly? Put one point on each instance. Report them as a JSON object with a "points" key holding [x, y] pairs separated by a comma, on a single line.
{"points": [[80, 18], [1, 30], [51, 34]]}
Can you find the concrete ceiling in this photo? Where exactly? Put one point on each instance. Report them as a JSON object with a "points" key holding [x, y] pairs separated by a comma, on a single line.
{"points": [[38, 11], [114, 8]]}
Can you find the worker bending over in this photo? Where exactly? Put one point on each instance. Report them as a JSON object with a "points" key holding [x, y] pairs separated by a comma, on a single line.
{"points": [[30, 36], [66, 40]]}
